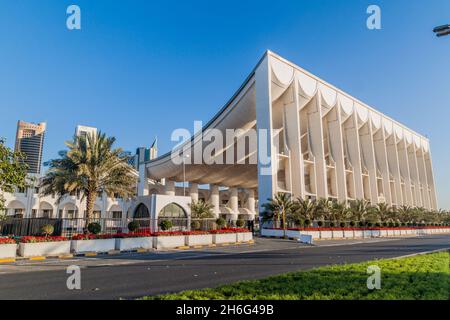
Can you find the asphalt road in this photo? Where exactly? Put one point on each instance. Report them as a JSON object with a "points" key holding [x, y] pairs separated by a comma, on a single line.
{"points": [[148, 274]]}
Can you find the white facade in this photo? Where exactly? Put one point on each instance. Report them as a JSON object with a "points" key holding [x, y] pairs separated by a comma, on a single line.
{"points": [[320, 143]]}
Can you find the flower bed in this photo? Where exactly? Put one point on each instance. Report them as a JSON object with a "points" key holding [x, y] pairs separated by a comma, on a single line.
{"points": [[83, 243], [43, 246], [8, 248], [133, 241]]}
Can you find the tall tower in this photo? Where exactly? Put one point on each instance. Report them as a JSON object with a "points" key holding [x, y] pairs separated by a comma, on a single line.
{"points": [[84, 130], [30, 141]]}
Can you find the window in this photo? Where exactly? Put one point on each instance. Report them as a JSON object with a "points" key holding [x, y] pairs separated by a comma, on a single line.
{"points": [[117, 214], [18, 213], [36, 190], [96, 214], [70, 214], [172, 211], [47, 213], [34, 213]]}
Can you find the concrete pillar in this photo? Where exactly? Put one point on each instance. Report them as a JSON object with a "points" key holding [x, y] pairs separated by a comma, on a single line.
{"points": [[193, 190], [214, 199], [234, 204], [251, 200], [170, 188]]}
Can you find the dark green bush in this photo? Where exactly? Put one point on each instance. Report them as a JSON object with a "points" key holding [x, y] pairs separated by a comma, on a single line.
{"points": [[319, 223], [342, 224], [133, 226], [240, 223], [94, 227], [352, 224], [195, 225], [165, 225], [221, 222]]}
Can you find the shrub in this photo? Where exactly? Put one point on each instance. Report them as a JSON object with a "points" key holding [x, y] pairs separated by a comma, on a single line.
{"points": [[391, 224], [47, 230], [342, 224], [369, 224], [332, 224], [307, 223], [240, 223], [165, 225], [94, 228], [319, 223], [377, 224], [195, 225], [221, 222], [385, 224], [133, 226], [352, 224], [299, 222], [361, 224]]}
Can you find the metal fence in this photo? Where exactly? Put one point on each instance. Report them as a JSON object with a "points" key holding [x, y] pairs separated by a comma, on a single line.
{"points": [[70, 227]]}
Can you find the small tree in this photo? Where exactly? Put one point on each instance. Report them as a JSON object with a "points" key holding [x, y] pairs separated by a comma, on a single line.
{"points": [[94, 228], [47, 230], [221, 222], [201, 210], [13, 172], [165, 225], [133, 226]]}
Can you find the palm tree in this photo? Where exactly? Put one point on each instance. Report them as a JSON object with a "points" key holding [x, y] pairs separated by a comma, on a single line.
{"points": [[339, 212], [91, 166], [360, 209], [404, 213], [382, 212], [305, 208], [281, 206], [201, 210]]}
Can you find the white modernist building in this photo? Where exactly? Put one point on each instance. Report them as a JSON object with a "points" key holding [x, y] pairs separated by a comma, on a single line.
{"points": [[291, 132], [312, 141]]}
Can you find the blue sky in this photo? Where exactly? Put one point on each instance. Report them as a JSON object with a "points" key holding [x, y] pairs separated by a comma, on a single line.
{"points": [[139, 69]]}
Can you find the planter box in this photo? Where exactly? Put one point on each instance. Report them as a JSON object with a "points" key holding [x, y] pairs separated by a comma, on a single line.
{"points": [[168, 242], [367, 233], [290, 234], [8, 251], [338, 234], [348, 234], [313, 234], [248, 236], [97, 245], [44, 249], [326, 234], [271, 233], [376, 233], [383, 233], [126, 244], [359, 233], [199, 240], [229, 237]]}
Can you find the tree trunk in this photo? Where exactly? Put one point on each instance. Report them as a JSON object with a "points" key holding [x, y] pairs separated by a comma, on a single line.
{"points": [[90, 202], [283, 221]]}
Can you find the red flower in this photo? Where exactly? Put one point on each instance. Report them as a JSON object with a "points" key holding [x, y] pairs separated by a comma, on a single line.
{"points": [[7, 241], [91, 236], [31, 239]]}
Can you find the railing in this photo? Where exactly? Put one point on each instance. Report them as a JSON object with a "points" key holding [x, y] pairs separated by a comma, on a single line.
{"points": [[70, 227]]}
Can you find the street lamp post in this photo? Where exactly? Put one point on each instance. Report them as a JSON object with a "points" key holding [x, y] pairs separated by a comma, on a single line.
{"points": [[184, 174], [443, 30]]}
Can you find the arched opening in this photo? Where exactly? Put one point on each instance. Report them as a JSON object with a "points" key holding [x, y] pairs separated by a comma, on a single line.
{"points": [[172, 210], [141, 212], [45, 210], [16, 209], [176, 214]]}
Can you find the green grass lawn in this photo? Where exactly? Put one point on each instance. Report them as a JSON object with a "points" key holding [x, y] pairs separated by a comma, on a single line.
{"points": [[420, 277]]}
